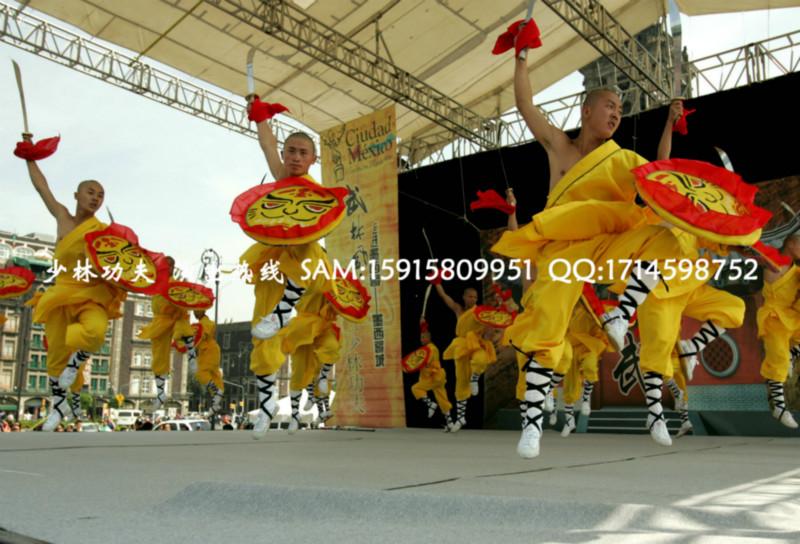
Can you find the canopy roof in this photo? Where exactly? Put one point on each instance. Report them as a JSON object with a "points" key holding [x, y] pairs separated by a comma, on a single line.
{"points": [[445, 43]]}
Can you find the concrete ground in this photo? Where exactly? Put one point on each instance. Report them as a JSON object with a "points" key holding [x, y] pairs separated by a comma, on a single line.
{"points": [[410, 485]]}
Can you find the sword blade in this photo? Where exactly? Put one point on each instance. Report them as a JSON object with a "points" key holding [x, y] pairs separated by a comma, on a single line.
{"points": [[726, 161], [677, 48], [18, 75], [251, 77]]}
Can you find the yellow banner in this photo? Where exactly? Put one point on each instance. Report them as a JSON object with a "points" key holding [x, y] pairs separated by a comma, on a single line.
{"points": [[362, 156]]}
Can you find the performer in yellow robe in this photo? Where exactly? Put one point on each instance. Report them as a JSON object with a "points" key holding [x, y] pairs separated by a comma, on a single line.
{"points": [[169, 323], [473, 352], [276, 297], [75, 313], [208, 359], [778, 324], [432, 378], [591, 180]]}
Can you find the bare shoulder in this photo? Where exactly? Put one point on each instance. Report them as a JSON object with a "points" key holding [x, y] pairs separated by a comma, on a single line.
{"points": [[65, 223], [561, 160]]}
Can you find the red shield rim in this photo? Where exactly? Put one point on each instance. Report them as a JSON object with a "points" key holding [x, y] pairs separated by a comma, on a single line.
{"points": [[20, 272], [479, 310], [196, 287], [198, 333], [410, 369], [126, 233], [350, 313]]}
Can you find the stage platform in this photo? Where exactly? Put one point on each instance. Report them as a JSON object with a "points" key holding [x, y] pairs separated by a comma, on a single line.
{"points": [[409, 485]]}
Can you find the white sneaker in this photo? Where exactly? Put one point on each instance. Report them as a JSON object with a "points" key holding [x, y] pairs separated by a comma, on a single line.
{"points": [[785, 418], [553, 419], [431, 411], [309, 404], [293, 425], [688, 363], [616, 327], [528, 445], [686, 428], [457, 425], [569, 426], [473, 387], [586, 409], [67, 377], [660, 433], [262, 426], [52, 421], [322, 385], [549, 402], [268, 327]]}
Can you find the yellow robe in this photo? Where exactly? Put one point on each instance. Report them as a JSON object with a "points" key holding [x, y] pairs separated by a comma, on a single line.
{"points": [[208, 355], [300, 263], [169, 323], [433, 378], [778, 322], [599, 190], [75, 313], [471, 352]]}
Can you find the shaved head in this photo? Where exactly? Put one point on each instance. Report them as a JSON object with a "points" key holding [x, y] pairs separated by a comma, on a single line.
{"points": [[596, 94], [87, 183]]}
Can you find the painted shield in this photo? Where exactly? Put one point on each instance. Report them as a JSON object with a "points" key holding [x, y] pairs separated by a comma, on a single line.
{"points": [[416, 360], [350, 299], [15, 281], [702, 199], [290, 211], [198, 333], [188, 295], [119, 259], [494, 317]]}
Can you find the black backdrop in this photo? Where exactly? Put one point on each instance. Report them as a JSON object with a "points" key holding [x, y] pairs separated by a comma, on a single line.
{"points": [[756, 125]]}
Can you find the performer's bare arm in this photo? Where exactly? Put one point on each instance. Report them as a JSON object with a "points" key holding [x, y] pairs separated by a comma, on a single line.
{"points": [[269, 145], [665, 144], [449, 302], [64, 220]]}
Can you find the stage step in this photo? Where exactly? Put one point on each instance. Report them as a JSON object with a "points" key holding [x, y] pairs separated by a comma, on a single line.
{"points": [[627, 421]]}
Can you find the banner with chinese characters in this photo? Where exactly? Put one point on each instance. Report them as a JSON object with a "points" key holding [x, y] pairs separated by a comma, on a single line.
{"points": [[362, 156]]}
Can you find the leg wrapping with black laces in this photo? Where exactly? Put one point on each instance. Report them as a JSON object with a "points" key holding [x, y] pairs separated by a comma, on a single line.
{"points": [[216, 397], [656, 424], [291, 296], [161, 391], [675, 390], [778, 403], [322, 383], [310, 400], [641, 281], [430, 405], [294, 398], [267, 403], [70, 372], [537, 386], [586, 399], [708, 332], [75, 405], [58, 405], [473, 384], [569, 420]]}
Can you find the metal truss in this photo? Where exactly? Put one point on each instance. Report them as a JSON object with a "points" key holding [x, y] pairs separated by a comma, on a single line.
{"points": [[46, 40], [740, 66], [602, 31], [294, 27], [748, 64]]}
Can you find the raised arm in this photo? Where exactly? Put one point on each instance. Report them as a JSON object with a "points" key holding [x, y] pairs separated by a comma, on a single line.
{"points": [[549, 136], [56, 209], [269, 145], [449, 302], [665, 143]]}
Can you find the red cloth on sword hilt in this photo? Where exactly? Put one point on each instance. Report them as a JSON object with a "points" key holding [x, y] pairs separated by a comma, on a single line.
{"points": [[527, 38], [38, 151], [680, 125], [491, 199], [261, 111]]}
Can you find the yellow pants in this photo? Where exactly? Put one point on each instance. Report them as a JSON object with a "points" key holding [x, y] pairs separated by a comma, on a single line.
{"points": [[72, 328], [660, 322], [308, 358], [475, 363], [541, 329], [433, 380], [777, 340], [161, 346], [208, 366]]}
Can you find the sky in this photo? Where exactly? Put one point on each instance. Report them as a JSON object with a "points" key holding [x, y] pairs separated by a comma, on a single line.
{"points": [[173, 177]]}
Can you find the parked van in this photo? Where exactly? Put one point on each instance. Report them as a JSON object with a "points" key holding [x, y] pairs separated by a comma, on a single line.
{"points": [[125, 417]]}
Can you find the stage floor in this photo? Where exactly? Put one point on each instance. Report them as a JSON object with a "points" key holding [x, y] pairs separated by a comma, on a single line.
{"points": [[410, 485]]}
